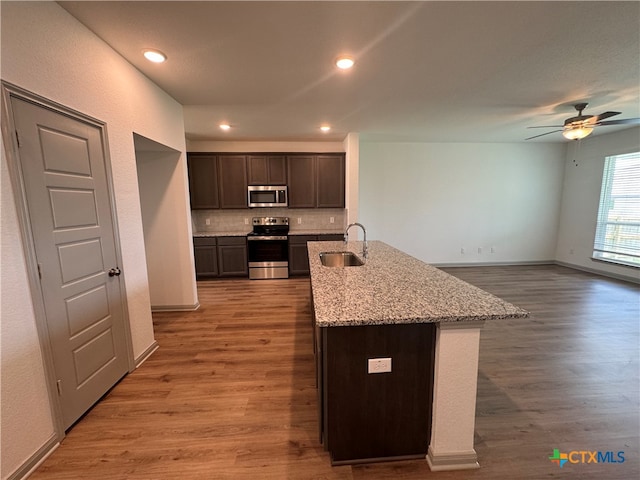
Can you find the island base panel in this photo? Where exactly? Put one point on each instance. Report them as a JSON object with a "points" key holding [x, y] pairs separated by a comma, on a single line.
{"points": [[373, 417]]}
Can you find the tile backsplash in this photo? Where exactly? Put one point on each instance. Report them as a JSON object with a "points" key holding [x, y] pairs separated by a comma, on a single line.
{"points": [[316, 219]]}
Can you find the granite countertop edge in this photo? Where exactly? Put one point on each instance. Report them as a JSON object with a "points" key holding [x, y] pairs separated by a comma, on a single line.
{"points": [[233, 233], [316, 232], [243, 233]]}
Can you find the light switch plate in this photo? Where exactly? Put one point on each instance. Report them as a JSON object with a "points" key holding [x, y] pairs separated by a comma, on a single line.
{"points": [[378, 365]]}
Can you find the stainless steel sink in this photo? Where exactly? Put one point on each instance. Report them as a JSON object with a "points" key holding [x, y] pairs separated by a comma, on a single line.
{"points": [[340, 259]]}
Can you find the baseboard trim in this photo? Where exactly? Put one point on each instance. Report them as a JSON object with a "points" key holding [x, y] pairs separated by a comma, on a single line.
{"points": [[175, 308], [31, 465], [146, 354], [363, 461], [493, 264], [452, 461], [617, 276]]}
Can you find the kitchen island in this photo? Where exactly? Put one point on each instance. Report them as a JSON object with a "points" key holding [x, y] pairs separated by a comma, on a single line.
{"points": [[396, 343]]}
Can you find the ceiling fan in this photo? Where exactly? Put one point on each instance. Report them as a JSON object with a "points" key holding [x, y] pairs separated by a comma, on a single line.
{"points": [[580, 126]]}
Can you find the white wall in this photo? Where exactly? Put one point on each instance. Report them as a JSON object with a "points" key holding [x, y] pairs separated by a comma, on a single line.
{"points": [[352, 168], [26, 417], [580, 197], [167, 230], [48, 52], [433, 199]]}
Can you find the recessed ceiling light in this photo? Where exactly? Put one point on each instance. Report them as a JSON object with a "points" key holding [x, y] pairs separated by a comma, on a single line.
{"points": [[155, 56], [224, 126], [325, 128], [344, 62]]}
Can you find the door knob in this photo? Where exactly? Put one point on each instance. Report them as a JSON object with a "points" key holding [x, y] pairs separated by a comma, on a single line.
{"points": [[115, 272]]}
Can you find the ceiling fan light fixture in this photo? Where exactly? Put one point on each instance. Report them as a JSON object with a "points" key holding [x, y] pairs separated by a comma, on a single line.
{"points": [[576, 132]]}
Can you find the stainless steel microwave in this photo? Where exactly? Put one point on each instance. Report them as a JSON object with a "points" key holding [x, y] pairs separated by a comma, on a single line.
{"points": [[267, 196]]}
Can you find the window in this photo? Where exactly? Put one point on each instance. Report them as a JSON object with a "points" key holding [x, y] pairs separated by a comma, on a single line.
{"points": [[618, 227]]}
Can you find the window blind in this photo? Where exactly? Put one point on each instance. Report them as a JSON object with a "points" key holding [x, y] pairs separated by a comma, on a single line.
{"points": [[617, 237]]}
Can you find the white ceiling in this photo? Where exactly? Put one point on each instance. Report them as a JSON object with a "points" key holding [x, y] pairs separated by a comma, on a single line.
{"points": [[425, 71]]}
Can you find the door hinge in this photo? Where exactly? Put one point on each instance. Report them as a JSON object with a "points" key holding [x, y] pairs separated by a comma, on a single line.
{"points": [[39, 271], [18, 138], [59, 387]]}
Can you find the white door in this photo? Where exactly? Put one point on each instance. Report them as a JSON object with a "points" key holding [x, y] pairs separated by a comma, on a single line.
{"points": [[66, 189]]}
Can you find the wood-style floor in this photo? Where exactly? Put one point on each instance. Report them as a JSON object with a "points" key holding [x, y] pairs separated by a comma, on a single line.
{"points": [[230, 394]]}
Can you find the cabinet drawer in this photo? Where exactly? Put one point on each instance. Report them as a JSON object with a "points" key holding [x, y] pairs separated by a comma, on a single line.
{"points": [[204, 241], [301, 239], [331, 237], [224, 241]]}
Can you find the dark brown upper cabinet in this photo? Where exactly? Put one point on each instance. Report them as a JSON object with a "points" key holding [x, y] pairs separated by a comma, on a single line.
{"points": [[316, 181], [302, 185], [232, 177], [267, 169], [203, 180], [219, 180], [330, 181]]}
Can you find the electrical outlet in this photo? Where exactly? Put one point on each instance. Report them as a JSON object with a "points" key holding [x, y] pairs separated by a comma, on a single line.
{"points": [[378, 365], [299, 220], [332, 220], [462, 251], [493, 249], [246, 221], [207, 221], [479, 249]]}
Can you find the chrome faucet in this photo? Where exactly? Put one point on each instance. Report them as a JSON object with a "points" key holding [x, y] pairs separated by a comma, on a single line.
{"points": [[364, 246]]}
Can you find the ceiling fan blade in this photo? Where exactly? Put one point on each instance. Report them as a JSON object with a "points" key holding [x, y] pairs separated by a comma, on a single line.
{"points": [[547, 126], [542, 134], [602, 116], [622, 121]]}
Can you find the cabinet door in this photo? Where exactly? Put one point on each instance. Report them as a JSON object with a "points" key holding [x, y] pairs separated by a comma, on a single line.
{"points": [[330, 181], [232, 257], [267, 170], [206, 257], [298, 254], [302, 185], [232, 173], [277, 169], [203, 181]]}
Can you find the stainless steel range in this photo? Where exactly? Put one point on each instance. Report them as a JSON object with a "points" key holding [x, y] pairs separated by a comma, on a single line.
{"points": [[268, 248]]}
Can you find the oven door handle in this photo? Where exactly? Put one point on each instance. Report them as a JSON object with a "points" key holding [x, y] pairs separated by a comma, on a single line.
{"points": [[267, 237]]}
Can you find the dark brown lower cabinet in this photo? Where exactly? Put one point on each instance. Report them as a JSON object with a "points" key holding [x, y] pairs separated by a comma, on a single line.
{"points": [[369, 417], [205, 254], [232, 257], [298, 254], [220, 257]]}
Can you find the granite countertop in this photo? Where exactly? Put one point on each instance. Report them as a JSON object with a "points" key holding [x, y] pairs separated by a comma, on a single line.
{"points": [[393, 287], [315, 232], [234, 233]]}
